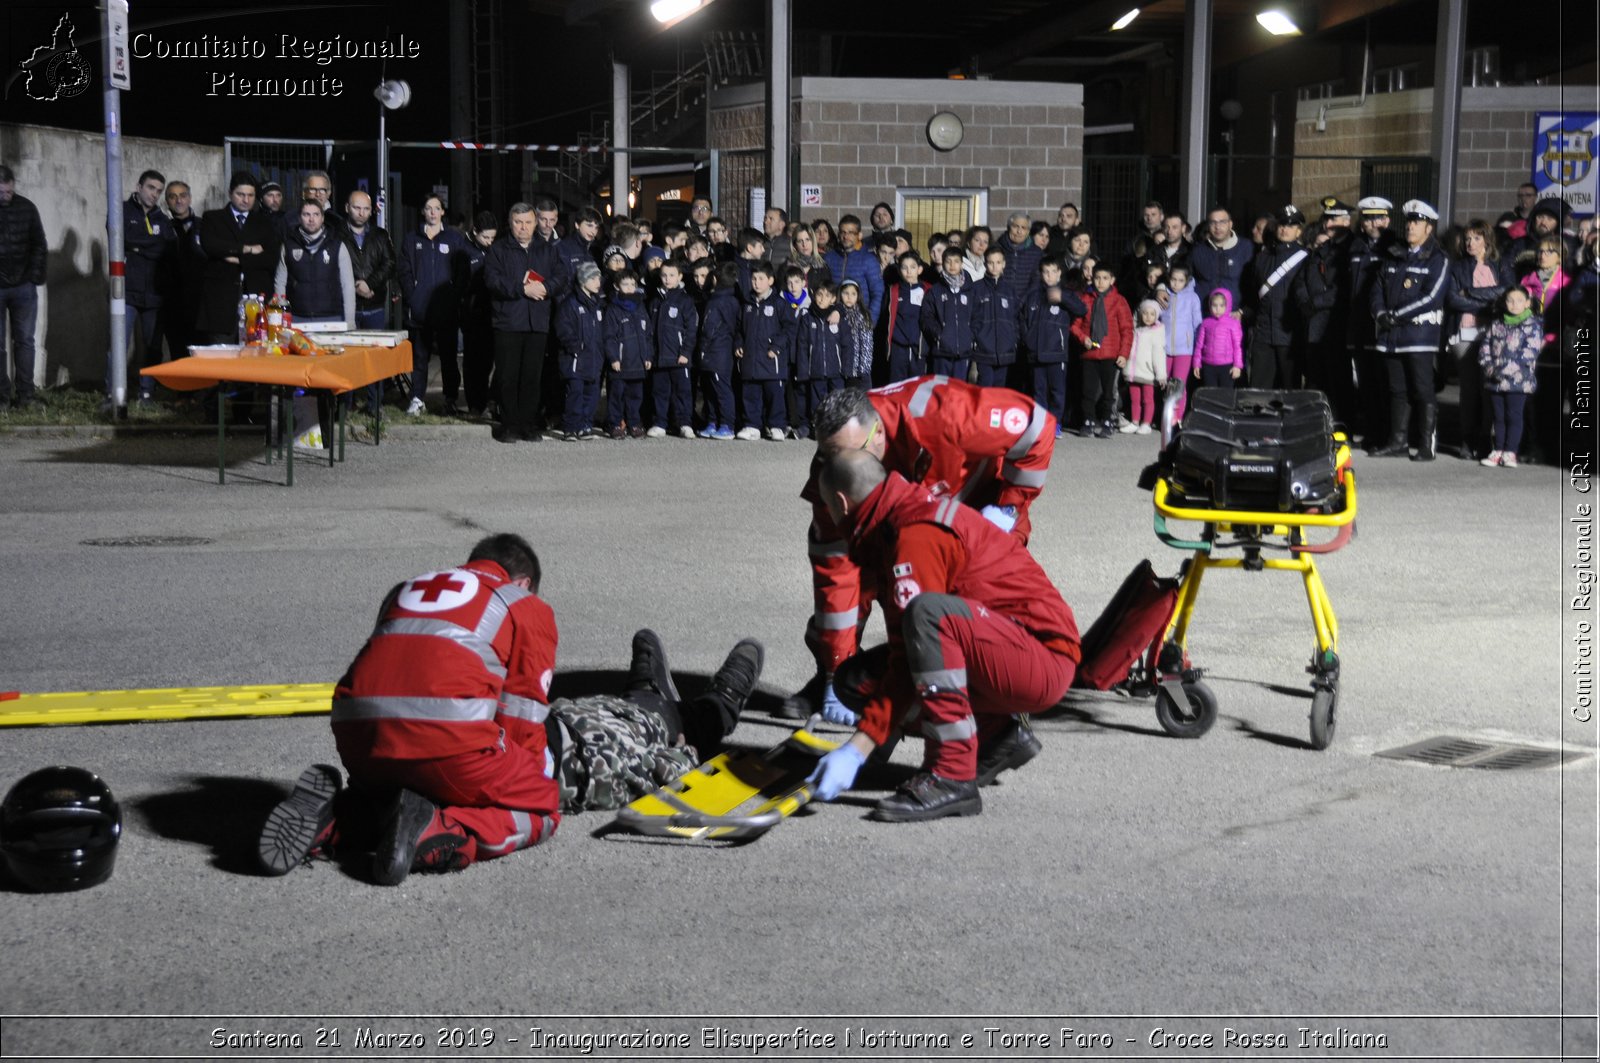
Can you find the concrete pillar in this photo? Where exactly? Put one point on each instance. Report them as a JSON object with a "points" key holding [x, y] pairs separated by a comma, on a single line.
{"points": [[1194, 133], [621, 138], [1448, 70], [779, 104]]}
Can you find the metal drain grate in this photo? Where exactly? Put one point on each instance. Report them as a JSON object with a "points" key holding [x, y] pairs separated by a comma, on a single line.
{"points": [[149, 540], [1451, 752]]}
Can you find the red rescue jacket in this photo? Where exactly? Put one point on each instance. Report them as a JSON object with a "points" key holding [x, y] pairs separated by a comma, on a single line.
{"points": [[456, 657], [984, 446], [908, 542]]}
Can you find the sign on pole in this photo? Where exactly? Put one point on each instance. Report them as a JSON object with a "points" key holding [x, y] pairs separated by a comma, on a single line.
{"points": [[117, 18], [1563, 157]]}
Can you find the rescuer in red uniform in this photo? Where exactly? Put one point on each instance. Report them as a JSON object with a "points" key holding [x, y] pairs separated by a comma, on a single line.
{"points": [[987, 447], [977, 632], [445, 725]]}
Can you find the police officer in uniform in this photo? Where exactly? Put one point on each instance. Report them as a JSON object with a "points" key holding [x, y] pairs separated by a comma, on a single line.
{"points": [[1408, 313], [1365, 248]]}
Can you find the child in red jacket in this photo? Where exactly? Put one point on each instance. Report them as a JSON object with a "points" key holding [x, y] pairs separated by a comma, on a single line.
{"points": [[1104, 335]]}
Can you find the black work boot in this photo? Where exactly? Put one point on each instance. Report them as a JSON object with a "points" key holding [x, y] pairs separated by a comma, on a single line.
{"points": [[929, 796], [806, 701], [1427, 447], [712, 716], [1399, 426], [301, 826], [648, 670], [1011, 747], [415, 838]]}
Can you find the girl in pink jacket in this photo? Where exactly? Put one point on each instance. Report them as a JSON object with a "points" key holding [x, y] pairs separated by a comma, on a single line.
{"points": [[1219, 344]]}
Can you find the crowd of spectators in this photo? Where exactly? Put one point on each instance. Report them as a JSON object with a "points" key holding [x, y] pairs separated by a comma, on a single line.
{"points": [[579, 327]]}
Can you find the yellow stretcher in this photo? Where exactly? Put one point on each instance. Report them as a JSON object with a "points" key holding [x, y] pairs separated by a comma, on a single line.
{"points": [[176, 703], [1251, 533], [731, 797]]}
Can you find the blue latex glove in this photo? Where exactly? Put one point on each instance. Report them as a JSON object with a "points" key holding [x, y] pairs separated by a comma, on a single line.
{"points": [[1002, 517], [836, 772], [834, 710]]}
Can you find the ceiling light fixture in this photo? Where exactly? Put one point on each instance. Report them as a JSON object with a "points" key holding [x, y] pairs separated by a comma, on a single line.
{"points": [[1126, 20], [673, 10], [1277, 23]]}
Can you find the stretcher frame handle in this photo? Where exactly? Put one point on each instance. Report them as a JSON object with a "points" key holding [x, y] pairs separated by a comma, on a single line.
{"points": [[1214, 514]]}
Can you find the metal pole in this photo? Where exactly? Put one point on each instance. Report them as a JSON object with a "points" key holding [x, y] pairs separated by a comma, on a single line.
{"points": [[1448, 71], [461, 108], [779, 104], [1194, 149], [117, 376], [381, 214], [621, 138]]}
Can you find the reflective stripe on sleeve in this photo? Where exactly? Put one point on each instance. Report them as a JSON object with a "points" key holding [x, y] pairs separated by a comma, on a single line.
{"points": [[956, 731], [840, 621], [428, 710], [467, 640], [1022, 477], [923, 395], [523, 708], [1030, 434], [943, 678]]}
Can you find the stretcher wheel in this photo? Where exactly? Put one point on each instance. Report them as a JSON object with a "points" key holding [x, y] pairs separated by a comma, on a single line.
{"points": [[1324, 700], [1190, 720]]}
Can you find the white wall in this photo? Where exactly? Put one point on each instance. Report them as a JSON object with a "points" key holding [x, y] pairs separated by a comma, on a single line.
{"points": [[63, 172]]}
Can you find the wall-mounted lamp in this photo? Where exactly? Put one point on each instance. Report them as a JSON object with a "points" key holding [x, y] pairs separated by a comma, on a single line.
{"points": [[673, 10], [1277, 23], [1126, 20]]}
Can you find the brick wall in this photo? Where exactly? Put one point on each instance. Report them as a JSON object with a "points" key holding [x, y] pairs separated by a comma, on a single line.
{"points": [[862, 139], [1494, 154]]}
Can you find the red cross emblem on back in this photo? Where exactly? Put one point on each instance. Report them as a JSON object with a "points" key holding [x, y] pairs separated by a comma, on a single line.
{"points": [[439, 592], [436, 585]]}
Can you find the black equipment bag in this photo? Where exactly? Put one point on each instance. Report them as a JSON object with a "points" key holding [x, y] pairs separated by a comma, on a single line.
{"points": [[1258, 450]]}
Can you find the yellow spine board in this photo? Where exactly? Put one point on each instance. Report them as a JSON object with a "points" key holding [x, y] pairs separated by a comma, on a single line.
{"points": [[174, 703]]}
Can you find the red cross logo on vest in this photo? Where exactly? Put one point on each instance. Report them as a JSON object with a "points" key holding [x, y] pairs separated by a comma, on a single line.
{"points": [[438, 592]]}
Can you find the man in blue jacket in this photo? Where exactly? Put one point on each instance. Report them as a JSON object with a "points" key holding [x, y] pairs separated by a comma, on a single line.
{"points": [[850, 261], [1219, 257], [526, 278]]}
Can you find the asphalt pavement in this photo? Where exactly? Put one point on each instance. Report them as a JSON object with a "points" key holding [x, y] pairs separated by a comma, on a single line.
{"points": [[1158, 897]]}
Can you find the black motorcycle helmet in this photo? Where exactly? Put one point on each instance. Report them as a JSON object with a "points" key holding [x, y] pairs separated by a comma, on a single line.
{"points": [[59, 829]]}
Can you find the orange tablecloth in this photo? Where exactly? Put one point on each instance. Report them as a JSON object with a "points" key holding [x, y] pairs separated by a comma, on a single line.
{"points": [[354, 368]]}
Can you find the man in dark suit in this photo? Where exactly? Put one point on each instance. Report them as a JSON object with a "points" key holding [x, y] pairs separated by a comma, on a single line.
{"points": [[240, 246]]}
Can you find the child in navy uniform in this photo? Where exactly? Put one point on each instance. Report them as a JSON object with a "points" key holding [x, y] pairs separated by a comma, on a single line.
{"points": [[719, 333], [630, 351], [580, 325], [819, 344], [762, 356], [903, 334], [1046, 330], [947, 318], [676, 325], [996, 319], [797, 301], [855, 337]]}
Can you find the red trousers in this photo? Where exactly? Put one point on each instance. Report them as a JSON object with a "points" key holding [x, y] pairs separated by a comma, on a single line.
{"points": [[502, 799], [973, 668]]}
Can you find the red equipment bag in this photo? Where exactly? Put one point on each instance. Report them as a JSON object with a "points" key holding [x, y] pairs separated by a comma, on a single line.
{"points": [[1135, 617]]}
